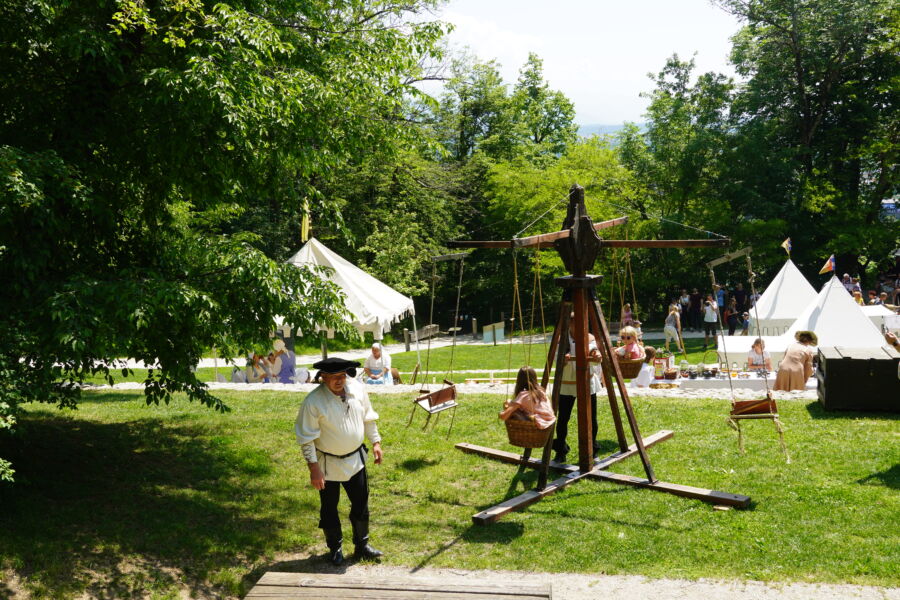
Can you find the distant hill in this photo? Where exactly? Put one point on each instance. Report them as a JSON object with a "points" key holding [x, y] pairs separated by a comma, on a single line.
{"points": [[598, 129]]}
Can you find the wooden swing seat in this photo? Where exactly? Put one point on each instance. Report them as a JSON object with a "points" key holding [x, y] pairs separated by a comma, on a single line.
{"points": [[442, 399], [765, 408], [434, 403]]}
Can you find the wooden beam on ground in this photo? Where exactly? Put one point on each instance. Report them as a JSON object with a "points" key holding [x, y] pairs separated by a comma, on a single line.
{"points": [[686, 491], [516, 459], [496, 512], [286, 586]]}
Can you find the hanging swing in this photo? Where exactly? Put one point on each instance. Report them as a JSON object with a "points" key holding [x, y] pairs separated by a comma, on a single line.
{"points": [[445, 398], [525, 433], [628, 367], [764, 408]]}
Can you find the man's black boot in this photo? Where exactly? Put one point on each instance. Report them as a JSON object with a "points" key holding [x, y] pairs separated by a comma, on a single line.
{"points": [[361, 540], [334, 539]]}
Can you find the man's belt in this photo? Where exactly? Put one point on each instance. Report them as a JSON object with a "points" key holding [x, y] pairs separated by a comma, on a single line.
{"points": [[361, 447]]}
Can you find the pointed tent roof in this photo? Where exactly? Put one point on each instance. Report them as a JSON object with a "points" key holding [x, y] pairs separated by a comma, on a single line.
{"points": [[837, 320], [372, 304], [787, 296]]}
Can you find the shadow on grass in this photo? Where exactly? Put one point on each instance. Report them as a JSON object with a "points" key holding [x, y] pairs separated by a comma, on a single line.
{"points": [[888, 477], [817, 411], [414, 464], [118, 509]]}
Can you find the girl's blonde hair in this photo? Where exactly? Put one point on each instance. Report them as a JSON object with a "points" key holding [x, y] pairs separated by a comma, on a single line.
{"points": [[628, 330]]}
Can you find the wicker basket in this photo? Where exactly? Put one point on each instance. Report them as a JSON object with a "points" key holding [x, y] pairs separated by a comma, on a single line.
{"points": [[525, 434], [629, 367], [670, 374]]}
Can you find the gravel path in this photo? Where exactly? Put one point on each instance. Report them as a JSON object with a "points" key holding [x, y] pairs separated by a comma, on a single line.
{"points": [[495, 388]]}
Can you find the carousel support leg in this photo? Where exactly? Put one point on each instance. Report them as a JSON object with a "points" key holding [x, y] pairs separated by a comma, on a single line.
{"points": [[608, 381], [411, 415], [740, 437], [558, 349], [427, 419]]}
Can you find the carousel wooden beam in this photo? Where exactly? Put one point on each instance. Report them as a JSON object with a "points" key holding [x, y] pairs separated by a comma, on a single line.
{"points": [[666, 243], [516, 459], [685, 491], [544, 240]]}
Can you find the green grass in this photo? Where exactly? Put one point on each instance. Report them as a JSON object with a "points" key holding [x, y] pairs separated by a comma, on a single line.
{"points": [[119, 498]]}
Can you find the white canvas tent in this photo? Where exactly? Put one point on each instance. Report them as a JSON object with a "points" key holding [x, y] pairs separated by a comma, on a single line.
{"points": [[373, 306], [782, 302], [878, 314], [834, 317]]}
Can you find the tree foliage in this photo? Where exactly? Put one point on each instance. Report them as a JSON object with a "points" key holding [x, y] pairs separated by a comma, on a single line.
{"points": [[133, 134]]}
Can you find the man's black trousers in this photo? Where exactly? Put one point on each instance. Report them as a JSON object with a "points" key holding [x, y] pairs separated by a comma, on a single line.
{"points": [[357, 488], [566, 403]]}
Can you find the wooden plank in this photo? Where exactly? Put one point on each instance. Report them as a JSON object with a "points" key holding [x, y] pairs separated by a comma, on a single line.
{"points": [[374, 594], [729, 257], [666, 243], [271, 582], [528, 498], [443, 257], [516, 459], [711, 496], [544, 240]]}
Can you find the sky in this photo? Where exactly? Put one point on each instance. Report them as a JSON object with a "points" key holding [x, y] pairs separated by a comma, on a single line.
{"points": [[597, 52]]}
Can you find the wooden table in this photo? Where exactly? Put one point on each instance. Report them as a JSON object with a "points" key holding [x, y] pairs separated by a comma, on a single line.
{"points": [[286, 586]]}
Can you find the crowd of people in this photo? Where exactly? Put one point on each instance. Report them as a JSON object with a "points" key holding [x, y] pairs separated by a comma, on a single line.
{"points": [[887, 291]]}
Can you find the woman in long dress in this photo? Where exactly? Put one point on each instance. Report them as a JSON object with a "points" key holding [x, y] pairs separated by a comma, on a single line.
{"points": [[796, 366]]}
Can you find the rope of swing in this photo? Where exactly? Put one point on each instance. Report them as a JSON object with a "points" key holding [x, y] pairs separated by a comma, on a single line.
{"points": [[430, 322], [721, 324], [462, 263], [516, 301], [751, 276]]}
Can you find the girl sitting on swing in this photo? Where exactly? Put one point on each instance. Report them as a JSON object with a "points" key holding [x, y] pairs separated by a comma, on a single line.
{"points": [[530, 403], [631, 349]]}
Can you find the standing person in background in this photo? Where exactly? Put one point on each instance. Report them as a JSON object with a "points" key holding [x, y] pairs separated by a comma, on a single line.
{"points": [[283, 368], [672, 328], [710, 320], [627, 317], [720, 297], [740, 297], [796, 366], [684, 303], [857, 297], [847, 283], [695, 310], [732, 316]]}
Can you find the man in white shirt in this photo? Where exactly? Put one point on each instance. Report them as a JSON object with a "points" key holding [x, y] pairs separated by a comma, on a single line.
{"points": [[330, 428]]}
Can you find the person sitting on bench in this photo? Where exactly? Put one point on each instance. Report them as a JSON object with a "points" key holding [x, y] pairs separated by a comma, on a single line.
{"points": [[529, 401], [378, 366]]}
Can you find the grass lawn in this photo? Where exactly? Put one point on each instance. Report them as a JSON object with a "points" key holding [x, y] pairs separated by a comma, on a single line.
{"points": [[119, 498]]}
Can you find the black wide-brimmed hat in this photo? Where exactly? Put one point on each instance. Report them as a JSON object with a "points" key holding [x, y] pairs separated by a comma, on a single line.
{"points": [[337, 365]]}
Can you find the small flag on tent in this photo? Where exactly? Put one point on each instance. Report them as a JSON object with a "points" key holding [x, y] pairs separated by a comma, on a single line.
{"points": [[786, 244], [829, 265]]}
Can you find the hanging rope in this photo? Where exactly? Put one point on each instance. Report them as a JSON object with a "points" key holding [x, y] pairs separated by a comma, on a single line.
{"points": [[537, 276], [516, 301], [462, 263], [751, 277], [630, 273], [430, 322], [712, 276]]}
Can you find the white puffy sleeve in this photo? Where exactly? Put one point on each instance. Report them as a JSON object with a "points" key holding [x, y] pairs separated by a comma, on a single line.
{"points": [[307, 430], [370, 418], [387, 359]]}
